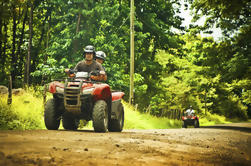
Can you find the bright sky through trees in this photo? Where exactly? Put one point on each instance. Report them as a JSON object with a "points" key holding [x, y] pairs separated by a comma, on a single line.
{"points": [[187, 15]]}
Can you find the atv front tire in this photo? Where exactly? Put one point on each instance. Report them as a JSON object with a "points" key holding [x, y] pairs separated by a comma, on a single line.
{"points": [[51, 115], [69, 123], [100, 116], [116, 125]]}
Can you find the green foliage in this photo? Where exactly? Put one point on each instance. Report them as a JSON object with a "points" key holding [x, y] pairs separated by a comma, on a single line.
{"points": [[229, 58], [185, 83], [48, 72], [136, 120], [172, 71], [212, 119], [25, 113], [229, 16]]}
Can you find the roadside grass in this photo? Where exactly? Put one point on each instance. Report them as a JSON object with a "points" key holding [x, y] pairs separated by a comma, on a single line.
{"points": [[26, 112], [212, 119], [136, 120]]}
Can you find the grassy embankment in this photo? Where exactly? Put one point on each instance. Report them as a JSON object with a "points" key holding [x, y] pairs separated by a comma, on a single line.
{"points": [[26, 112]]}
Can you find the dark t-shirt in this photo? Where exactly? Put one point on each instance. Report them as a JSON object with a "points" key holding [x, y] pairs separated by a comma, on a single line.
{"points": [[82, 66]]}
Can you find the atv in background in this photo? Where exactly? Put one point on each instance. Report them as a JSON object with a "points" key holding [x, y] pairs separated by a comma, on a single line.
{"points": [[79, 97], [190, 120]]}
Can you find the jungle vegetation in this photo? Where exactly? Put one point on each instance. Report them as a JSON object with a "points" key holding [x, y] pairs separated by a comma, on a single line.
{"points": [[173, 69]]}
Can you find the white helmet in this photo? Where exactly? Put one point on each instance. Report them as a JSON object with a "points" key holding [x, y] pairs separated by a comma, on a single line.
{"points": [[100, 55]]}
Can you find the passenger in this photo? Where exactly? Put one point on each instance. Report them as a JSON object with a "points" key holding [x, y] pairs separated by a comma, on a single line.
{"points": [[100, 57]]}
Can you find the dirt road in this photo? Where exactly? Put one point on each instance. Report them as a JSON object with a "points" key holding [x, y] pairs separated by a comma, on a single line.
{"points": [[216, 145]]}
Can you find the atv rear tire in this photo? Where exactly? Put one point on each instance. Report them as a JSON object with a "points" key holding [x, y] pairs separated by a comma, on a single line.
{"points": [[196, 123], [69, 123], [116, 125], [184, 125], [100, 116], [51, 115]]}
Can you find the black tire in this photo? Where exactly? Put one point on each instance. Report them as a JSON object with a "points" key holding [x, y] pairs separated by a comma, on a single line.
{"points": [[116, 125], [196, 123], [184, 125], [51, 115], [69, 123], [100, 116]]}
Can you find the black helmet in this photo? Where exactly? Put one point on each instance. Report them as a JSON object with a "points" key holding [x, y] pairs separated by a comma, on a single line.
{"points": [[90, 49], [100, 55]]}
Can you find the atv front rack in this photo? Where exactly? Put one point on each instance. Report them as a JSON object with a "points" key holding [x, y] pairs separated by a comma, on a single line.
{"points": [[72, 94]]}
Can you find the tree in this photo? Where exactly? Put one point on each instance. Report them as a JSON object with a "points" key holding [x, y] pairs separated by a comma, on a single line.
{"points": [[28, 58]]}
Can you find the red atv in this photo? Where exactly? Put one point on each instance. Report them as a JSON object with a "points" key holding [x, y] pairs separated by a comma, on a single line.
{"points": [[190, 120], [82, 98]]}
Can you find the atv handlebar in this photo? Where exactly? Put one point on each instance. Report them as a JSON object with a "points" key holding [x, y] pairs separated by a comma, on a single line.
{"points": [[73, 71], [93, 75]]}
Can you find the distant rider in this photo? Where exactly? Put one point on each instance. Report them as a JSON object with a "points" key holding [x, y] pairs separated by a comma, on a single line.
{"points": [[90, 65], [190, 111]]}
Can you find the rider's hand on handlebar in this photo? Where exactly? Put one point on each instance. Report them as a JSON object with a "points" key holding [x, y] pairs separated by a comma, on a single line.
{"points": [[102, 72], [99, 78], [66, 70], [70, 72]]}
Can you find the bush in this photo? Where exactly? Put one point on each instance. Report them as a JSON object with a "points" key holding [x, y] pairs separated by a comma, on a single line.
{"points": [[136, 120], [212, 119], [25, 112]]}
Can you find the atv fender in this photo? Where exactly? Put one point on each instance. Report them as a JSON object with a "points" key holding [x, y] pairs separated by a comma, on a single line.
{"points": [[116, 100], [102, 92], [53, 85]]}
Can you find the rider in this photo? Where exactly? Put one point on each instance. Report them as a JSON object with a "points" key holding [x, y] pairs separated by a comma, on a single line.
{"points": [[100, 57], [190, 111], [90, 65]]}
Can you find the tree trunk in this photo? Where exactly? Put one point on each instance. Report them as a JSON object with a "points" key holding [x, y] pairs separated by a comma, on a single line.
{"points": [[21, 42], [1, 50], [27, 65], [1, 38], [47, 40], [45, 61], [35, 60], [9, 101], [13, 55], [205, 102], [4, 49], [76, 42], [78, 23]]}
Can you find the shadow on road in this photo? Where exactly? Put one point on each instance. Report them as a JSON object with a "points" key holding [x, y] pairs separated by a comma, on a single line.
{"points": [[243, 129], [92, 131], [79, 130]]}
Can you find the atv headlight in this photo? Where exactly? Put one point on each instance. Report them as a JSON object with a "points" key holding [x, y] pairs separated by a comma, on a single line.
{"points": [[88, 91], [59, 89]]}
